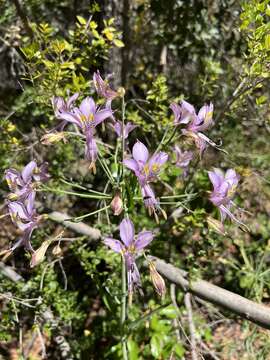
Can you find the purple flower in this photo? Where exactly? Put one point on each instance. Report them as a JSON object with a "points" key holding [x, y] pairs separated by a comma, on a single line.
{"points": [[223, 192], [195, 123], [183, 113], [130, 247], [20, 183], [145, 168], [183, 158], [127, 128], [203, 120], [87, 117], [25, 218], [22, 210], [60, 106], [103, 88]]}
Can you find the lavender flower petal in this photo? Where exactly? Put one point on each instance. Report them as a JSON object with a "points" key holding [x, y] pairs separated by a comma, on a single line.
{"points": [[140, 152], [132, 165], [115, 245], [143, 239], [101, 115], [176, 109], [127, 232], [91, 150], [28, 170], [87, 107]]}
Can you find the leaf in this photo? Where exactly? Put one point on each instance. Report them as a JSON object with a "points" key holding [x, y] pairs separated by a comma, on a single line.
{"points": [[156, 345], [68, 65], [267, 41], [261, 100], [118, 43], [208, 334], [81, 20], [159, 325], [169, 312], [179, 350], [247, 281], [133, 349], [109, 35], [93, 25]]}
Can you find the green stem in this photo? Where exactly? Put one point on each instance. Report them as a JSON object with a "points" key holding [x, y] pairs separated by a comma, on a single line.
{"points": [[88, 196], [106, 170], [79, 218], [171, 137], [124, 309], [123, 138], [163, 139]]}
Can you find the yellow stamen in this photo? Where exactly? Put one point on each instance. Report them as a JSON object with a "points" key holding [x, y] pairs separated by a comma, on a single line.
{"points": [[208, 117], [132, 249], [146, 169], [155, 167], [232, 190], [87, 118]]}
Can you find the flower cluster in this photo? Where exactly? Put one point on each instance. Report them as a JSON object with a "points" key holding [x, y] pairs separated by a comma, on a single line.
{"points": [[146, 169], [224, 187], [88, 116], [21, 200], [185, 114]]}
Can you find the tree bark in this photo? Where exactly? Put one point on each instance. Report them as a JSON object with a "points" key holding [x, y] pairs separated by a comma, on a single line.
{"points": [[250, 310]]}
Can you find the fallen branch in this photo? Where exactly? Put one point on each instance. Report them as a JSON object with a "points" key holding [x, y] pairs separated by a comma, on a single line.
{"points": [[250, 310], [10, 273], [80, 227], [191, 326]]}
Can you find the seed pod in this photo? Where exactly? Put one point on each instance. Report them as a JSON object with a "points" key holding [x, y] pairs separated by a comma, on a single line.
{"points": [[57, 251], [52, 138], [39, 255], [121, 92], [216, 225], [117, 203], [157, 280]]}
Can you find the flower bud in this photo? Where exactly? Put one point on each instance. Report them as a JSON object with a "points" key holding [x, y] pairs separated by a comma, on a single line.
{"points": [[52, 138], [157, 280], [117, 203], [121, 92], [57, 251], [216, 225], [39, 254]]}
